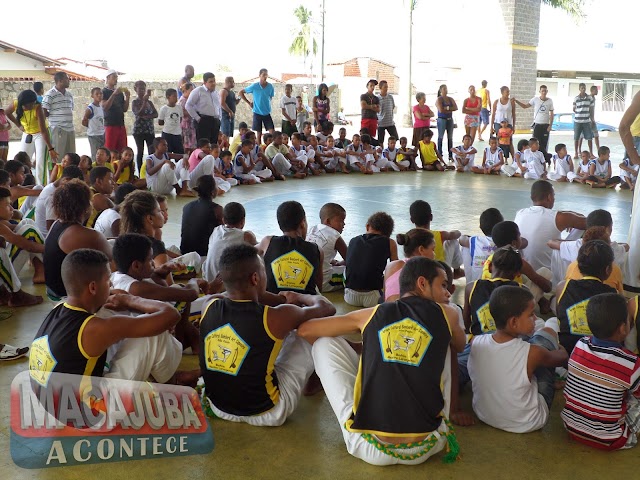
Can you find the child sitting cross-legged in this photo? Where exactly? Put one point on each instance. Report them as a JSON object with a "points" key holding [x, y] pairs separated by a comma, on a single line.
{"points": [[429, 155], [366, 261], [602, 406], [492, 159], [513, 379]]}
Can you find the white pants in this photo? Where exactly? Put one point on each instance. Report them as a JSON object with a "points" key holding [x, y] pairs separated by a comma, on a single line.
{"points": [[205, 167], [225, 184], [361, 299], [13, 259], [165, 180], [293, 367], [39, 147], [191, 260], [508, 170], [281, 164], [383, 162], [553, 176], [28, 207], [336, 364], [465, 168], [331, 162], [530, 175], [535, 290]]}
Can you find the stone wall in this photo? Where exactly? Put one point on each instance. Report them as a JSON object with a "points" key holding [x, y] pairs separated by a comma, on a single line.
{"points": [[82, 97]]}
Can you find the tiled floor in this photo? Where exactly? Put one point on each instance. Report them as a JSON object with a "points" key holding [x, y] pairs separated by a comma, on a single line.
{"points": [[310, 445]]}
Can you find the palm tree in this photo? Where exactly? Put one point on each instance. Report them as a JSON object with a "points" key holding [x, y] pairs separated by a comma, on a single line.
{"points": [[572, 7], [304, 42]]}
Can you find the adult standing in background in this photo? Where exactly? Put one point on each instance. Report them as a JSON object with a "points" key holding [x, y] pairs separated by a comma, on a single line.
{"points": [[385, 115], [446, 106], [630, 136], [188, 75], [422, 115], [38, 87], [485, 95], [27, 114], [57, 104], [115, 101], [262, 92], [583, 106], [228, 102], [143, 127], [471, 108], [204, 107], [542, 118], [321, 107], [369, 108], [504, 108]]}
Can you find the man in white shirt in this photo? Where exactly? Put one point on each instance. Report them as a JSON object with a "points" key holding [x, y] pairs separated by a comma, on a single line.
{"points": [[540, 223], [542, 118], [204, 107], [45, 216], [57, 104]]}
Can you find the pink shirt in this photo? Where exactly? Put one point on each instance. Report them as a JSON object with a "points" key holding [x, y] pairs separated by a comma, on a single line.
{"points": [[4, 134], [424, 110], [194, 159], [392, 285]]}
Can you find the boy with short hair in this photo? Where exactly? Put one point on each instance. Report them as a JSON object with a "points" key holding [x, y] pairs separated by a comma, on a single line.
{"points": [[355, 155], [231, 232], [366, 261], [391, 154], [170, 119], [299, 154], [225, 167], [502, 365], [464, 155], [563, 163], [73, 339], [407, 154], [628, 174], [595, 260], [280, 157], [327, 236], [102, 185], [429, 154], [237, 140], [325, 132], [602, 406], [293, 264], [492, 159], [600, 175], [534, 161], [253, 364], [93, 119], [244, 166], [18, 244], [342, 141], [288, 106], [378, 427], [161, 175], [476, 249]]}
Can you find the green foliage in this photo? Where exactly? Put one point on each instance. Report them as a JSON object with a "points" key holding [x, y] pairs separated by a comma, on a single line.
{"points": [[575, 8], [304, 43]]}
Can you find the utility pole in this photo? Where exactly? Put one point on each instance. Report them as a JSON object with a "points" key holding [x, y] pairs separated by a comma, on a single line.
{"points": [[322, 48], [408, 117]]}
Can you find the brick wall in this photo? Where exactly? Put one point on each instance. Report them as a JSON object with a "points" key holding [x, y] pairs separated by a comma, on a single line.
{"points": [[82, 97], [382, 71]]}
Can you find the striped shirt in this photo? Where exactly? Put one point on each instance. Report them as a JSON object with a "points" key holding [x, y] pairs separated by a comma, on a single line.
{"points": [[60, 107], [601, 374], [584, 105], [385, 116]]}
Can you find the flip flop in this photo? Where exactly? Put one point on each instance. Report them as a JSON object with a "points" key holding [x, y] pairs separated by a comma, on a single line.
{"points": [[9, 352]]}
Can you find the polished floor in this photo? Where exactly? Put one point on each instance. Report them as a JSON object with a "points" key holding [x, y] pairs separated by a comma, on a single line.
{"points": [[310, 444]]}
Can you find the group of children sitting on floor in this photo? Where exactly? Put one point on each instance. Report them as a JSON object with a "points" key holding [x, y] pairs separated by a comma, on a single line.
{"points": [[261, 327]]}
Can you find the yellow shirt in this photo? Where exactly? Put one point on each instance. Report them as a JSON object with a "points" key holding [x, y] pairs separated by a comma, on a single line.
{"points": [[109, 165], [29, 120], [125, 174], [635, 127], [235, 145], [428, 152], [483, 95], [614, 280]]}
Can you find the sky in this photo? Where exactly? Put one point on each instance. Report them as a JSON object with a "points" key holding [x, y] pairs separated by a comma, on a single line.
{"points": [[159, 36]]}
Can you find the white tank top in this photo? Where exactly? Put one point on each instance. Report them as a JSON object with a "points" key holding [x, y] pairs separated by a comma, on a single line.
{"points": [[105, 222], [602, 170], [538, 225], [480, 247], [504, 112], [325, 237], [221, 237], [503, 395], [584, 168], [493, 158], [96, 122]]}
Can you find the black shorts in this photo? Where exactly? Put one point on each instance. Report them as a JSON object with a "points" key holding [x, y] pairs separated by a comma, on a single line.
{"points": [[506, 149], [174, 143], [262, 120], [4, 144]]}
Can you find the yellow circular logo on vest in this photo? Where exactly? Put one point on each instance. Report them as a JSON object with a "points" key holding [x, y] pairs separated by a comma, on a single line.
{"points": [[405, 341], [292, 271]]}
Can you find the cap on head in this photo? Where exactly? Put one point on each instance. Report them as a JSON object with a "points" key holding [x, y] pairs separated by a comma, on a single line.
{"points": [[110, 72]]}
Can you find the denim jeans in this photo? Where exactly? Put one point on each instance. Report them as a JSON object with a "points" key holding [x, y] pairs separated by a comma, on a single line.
{"points": [[227, 124], [445, 124], [546, 376]]}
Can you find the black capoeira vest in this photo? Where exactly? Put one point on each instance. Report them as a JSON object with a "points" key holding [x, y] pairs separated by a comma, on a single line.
{"points": [[572, 304], [291, 264], [481, 318]]}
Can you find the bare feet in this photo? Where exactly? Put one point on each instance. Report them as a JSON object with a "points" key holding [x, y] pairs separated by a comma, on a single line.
{"points": [[23, 299], [38, 271], [299, 175], [462, 418], [313, 386], [188, 378], [185, 192]]}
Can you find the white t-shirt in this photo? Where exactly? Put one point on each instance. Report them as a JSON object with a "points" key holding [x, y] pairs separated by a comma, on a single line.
{"points": [[172, 117], [325, 238], [152, 179], [535, 162], [96, 121], [625, 174], [541, 110], [474, 257], [122, 281], [538, 225], [503, 395], [563, 165], [289, 105], [221, 238], [105, 221], [44, 208]]}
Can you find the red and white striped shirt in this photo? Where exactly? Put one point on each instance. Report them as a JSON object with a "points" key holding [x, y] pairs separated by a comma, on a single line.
{"points": [[601, 375]]}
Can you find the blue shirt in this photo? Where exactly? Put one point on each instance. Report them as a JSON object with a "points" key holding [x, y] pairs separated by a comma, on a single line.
{"points": [[261, 97]]}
